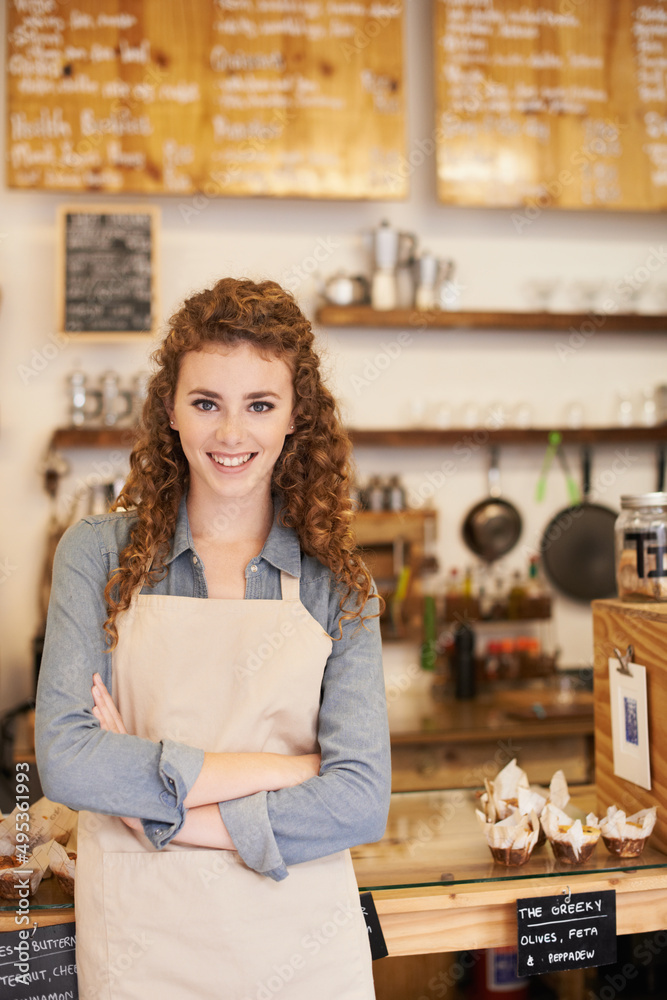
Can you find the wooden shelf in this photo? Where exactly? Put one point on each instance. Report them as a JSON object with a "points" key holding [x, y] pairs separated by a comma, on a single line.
{"points": [[413, 437], [425, 437], [520, 322], [93, 437], [382, 527]]}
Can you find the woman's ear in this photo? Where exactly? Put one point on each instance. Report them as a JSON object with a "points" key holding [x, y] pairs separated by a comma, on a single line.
{"points": [[169, 407]]}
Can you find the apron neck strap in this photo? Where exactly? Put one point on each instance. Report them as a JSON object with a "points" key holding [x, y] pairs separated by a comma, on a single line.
{"points": [[289, 586]]}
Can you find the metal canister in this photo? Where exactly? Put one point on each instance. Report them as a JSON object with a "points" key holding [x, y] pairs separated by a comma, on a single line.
{"points": [[641, 547]]}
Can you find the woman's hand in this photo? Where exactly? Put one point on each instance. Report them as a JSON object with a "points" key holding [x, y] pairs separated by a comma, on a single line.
{"points": [[224, 775], [104, 708], [110, 720]]}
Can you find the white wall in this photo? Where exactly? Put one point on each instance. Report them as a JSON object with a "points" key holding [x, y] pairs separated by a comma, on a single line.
{"points": [[271, 238]]}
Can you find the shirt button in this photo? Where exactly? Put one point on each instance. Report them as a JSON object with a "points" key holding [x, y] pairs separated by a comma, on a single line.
{"points": [[253, 569], [195, 560]]}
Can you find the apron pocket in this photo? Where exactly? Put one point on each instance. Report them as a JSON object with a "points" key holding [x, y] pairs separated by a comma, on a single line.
{"points": [[198, 924]]}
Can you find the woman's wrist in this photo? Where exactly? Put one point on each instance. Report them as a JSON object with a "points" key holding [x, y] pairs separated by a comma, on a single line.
{"points": [[204, 827], [227, 776]]}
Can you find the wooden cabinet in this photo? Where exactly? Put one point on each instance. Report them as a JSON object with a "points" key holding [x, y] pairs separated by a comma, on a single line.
{"points": [[392, 542], [617, 625]]}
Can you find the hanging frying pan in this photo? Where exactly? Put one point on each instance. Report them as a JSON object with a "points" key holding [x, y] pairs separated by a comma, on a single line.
{"points": [[577, 547], [493, 526]]}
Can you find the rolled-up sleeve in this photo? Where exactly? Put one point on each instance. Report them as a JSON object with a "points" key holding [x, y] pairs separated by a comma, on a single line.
{"points": [[348, 803], [80, 764]]}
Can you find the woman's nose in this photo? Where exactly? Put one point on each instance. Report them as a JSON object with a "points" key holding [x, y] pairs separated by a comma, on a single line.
{"points": [[230, 428]]}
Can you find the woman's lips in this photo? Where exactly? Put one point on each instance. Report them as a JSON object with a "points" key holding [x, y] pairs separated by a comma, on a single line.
{"points": [[217, 461]]}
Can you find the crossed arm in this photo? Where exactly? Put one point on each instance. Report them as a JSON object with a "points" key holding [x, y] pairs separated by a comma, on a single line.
{"points": [[223, 776], [276, 810]]}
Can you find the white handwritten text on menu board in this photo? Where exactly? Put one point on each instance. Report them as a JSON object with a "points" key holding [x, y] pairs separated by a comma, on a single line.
{"points": [[224, 97], [552, 104]]}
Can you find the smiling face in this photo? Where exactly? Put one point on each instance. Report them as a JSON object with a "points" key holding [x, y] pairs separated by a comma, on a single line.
{"points": [[233, 410]]}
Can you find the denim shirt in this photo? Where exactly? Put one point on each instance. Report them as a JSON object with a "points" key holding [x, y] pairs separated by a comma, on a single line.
{"points": [[119, 774]]}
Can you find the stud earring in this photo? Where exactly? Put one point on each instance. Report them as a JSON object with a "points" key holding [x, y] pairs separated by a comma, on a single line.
{"points": [[171, 422]]}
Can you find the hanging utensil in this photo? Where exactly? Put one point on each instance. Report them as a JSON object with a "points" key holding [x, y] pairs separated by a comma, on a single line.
{"points": [[493, 526], [555, 447], [577, 546]]}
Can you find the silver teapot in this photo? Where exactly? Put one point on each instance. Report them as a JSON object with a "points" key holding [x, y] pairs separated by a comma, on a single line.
{"points": [[346, 290]]}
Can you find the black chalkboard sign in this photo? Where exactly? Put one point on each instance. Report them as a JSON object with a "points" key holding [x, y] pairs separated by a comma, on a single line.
{"points": [[108, 274], [573, 931], [375, 935], [38, 963]]}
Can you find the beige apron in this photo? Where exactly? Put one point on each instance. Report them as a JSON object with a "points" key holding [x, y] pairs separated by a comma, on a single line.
{"points": [[188, 923]]}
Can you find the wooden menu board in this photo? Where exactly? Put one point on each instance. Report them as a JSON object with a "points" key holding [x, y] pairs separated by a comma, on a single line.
{"points": [[107, 282], [545, 103], [223, 97]]}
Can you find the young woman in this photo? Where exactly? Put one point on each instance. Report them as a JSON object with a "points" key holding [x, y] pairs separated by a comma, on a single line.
{"points": [[211, 692]]}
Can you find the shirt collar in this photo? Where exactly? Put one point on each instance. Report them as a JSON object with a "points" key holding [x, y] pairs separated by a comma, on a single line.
{"points": [[281, 548]]}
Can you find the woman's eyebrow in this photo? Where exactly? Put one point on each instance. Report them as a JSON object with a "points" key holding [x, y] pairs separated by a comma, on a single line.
{"points": [[216, 395]]}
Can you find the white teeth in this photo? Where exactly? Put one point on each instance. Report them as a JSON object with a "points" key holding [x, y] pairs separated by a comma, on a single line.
{"points": [[230, 462]]}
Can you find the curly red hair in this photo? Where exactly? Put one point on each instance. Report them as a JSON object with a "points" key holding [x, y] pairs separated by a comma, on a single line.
{"points": [[311, 475]]}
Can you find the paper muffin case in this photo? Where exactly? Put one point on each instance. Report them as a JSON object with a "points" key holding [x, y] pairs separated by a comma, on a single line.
{"points": [[63, 865], [513, 839], [571, 841], [13, 880], [626, 837], [46, 821], [501, 796]]}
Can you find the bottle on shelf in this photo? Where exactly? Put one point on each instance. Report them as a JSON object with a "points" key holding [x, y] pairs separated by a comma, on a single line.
{"points": [[498, 599], [429, 645], [538, 598], [485, 603], [452, 583], [516, 597], [509, 663], [375, 494], [443, 674], [464, 662], [522, 651], [460, 602], [394, 494], [492, 661]]}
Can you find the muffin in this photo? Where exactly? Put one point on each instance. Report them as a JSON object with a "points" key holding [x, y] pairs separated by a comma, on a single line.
{"points": [[64, 878], [9, 888], [626, 837], [501, 796], [572, 841], [513, 839]]}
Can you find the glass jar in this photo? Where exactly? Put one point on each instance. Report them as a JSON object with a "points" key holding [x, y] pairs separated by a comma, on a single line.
{"points": [[641, 548]]}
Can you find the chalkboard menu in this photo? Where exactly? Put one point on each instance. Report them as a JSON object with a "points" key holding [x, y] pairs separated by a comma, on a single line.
{"points": [[203, 98], [572, 931], [39, 963], [108, 274], [545, 104]]}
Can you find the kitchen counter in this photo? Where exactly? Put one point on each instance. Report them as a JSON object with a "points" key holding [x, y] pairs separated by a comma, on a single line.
{"points": [[450, 744], [437, 889]]}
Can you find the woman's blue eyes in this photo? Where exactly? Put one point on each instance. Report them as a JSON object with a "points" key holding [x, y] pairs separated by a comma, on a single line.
{"points": [[207, 405]]}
